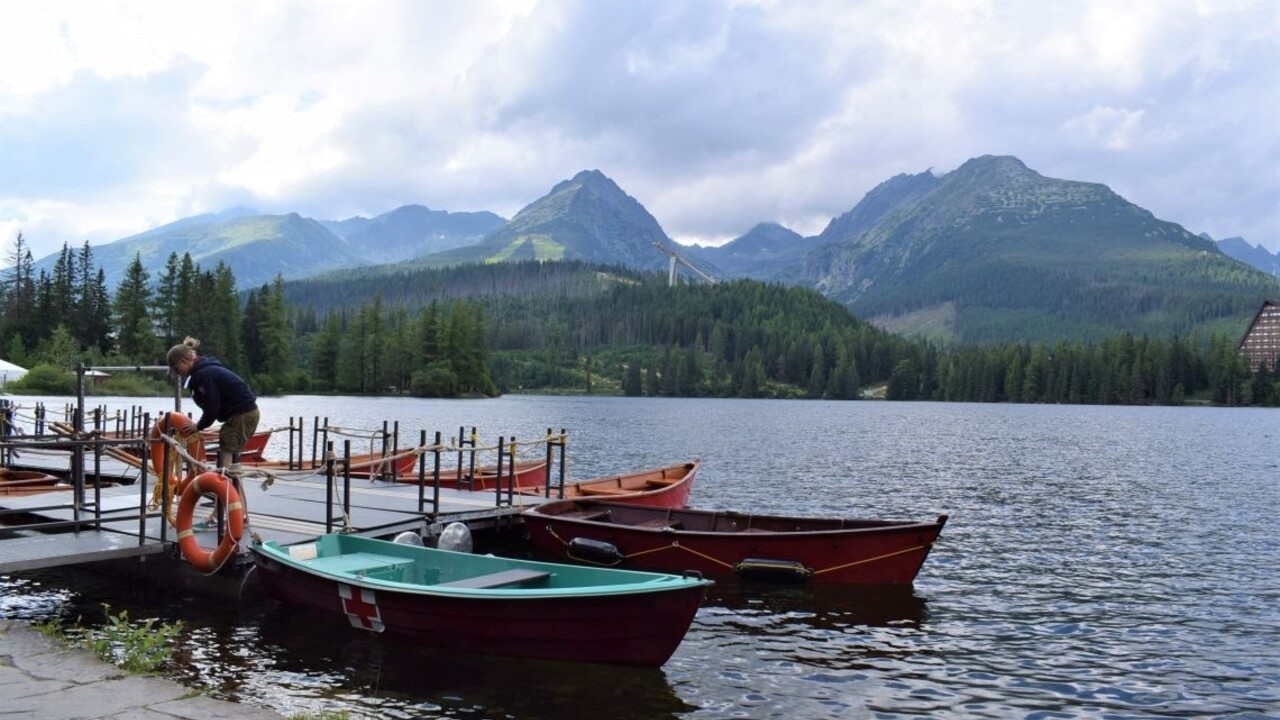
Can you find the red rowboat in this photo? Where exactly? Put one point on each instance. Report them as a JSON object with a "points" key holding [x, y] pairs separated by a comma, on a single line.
{"points": [[664, 487], [483, 603], [362, 466], [730, 544], [529, 475], [252, 449]]}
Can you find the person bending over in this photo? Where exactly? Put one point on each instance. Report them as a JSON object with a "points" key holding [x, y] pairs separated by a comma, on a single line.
{"points": [[221, 395]]}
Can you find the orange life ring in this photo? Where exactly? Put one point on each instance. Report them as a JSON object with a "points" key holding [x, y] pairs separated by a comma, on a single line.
{"points": [[217, 484], [195, 448]]}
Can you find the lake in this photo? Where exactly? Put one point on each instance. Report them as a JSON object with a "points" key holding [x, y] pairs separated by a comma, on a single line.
{"points": [[1108, 562]]}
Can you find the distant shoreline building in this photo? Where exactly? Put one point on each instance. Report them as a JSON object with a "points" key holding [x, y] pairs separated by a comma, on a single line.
{"points": [[9, 372], [1261, 342]]}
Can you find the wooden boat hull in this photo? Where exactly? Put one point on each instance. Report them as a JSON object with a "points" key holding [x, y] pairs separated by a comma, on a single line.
{"points": [[364, 466], [632, 619], [531, 475], [732, 545], [664, 487], [28, 482], [252, 449]]}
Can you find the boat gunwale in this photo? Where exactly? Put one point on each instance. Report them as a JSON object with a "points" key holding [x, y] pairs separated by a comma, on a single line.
{"points": [[890, 526], [659, 582]]}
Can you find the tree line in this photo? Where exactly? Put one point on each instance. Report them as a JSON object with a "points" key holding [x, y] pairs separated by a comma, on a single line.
{"points": [[482, 330], [65, 317]]}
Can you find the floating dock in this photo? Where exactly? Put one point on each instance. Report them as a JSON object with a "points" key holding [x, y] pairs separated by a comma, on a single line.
{"points": [[109, 508]]}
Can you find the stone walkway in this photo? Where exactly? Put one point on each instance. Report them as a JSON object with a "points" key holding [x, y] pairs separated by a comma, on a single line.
{"points": [[42, 679]]}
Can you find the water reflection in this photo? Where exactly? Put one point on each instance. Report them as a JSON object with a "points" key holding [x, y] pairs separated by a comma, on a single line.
{"points": [[824, 607], [1100, 562], [384, 672]]}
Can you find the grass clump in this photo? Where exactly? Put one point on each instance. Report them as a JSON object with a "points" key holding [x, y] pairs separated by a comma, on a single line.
{"points": [[139, 647]]}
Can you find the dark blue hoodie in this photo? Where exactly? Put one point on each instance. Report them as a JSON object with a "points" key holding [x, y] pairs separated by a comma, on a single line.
{"points": [[218, 392]]}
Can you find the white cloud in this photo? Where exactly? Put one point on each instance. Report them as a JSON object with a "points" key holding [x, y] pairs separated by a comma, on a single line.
{"points": [[715, 115]]}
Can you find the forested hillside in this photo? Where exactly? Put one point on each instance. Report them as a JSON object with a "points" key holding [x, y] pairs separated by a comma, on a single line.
{"points": [[584, 328], [569, 327]]}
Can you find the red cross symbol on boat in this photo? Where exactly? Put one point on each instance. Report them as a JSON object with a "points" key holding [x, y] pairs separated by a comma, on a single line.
{"points": [[361, 608]]}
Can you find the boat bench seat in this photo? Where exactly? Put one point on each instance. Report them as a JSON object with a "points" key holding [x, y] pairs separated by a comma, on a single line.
{"points": [[363, 565], [497, 579], [587, 490], [655, 483]]}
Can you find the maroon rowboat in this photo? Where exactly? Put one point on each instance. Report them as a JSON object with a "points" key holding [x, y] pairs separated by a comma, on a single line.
{"points": [[730, 544], [485, 604]]}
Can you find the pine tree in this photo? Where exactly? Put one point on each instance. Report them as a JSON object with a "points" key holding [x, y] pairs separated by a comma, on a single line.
{"points": [[19, 296], [164, 307], [137, 342], [324, 356], [273, 332], [92, 305]]}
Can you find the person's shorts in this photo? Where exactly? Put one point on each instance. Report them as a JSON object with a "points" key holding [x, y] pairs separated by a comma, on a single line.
{"points": [[237, 429]]}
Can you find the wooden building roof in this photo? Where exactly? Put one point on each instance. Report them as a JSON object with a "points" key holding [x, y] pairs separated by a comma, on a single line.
{"points": [[1261, 342]]}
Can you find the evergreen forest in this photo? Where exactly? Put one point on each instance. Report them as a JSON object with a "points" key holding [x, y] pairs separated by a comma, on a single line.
{"points": [[566, 327]]}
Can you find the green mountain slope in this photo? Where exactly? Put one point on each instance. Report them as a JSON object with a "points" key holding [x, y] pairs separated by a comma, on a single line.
{"points": [[585, 218], [255, 247], [995, 251]]}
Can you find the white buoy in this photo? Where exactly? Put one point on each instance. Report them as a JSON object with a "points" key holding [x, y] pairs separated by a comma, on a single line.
{"points": [[408, 537], [456, 537]]}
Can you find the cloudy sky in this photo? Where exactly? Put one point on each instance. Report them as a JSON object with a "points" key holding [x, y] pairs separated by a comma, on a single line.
{"points": [[116, 117]]}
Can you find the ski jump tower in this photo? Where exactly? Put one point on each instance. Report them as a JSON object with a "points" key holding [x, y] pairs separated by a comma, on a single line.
{"points": [[676, 259]]}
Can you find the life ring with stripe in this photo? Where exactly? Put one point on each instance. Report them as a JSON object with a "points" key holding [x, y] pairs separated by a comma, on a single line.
{"points": [[177, 422], [220, 486]]}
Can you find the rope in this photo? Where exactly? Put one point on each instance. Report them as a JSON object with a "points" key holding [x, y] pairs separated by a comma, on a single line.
{"points": [[354, 432], [872, 559], [178, 454]]}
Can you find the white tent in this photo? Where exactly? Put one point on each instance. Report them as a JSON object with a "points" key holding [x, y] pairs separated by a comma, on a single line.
{"points": [[9, 371]]}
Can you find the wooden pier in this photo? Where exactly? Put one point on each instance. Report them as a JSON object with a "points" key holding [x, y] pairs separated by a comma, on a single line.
{"points": [[109, 511]]}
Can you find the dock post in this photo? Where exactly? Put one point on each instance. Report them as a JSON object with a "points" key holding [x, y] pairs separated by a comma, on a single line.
{"points": [[395, 450], [497, 480], [511, 473], [422, 470], [346, 482], [435, 477], [564, 442], [328, 495], [382, 454], [290, 463], [97, 485], [6, 429], [464, 441]]}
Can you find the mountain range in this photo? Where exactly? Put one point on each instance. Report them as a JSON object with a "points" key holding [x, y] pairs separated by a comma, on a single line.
{"points": [[1254, 255], [258, 247], [991, 251]]}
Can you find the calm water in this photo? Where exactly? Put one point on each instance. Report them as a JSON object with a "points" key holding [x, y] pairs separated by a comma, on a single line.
{"points": [[1099, 562]]}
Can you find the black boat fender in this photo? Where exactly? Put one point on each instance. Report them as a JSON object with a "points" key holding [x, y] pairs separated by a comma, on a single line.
{"points": [[595, 552]]}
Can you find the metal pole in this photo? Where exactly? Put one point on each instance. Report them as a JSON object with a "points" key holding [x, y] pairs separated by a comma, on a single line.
{"points": [[497, 481], [546, 484], [435, 492], [328, 495], [346, 481], [422, 471]]}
